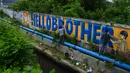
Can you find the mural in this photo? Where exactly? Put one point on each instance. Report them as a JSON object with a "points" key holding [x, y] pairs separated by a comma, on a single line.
{"points": [[121, 43], [116, 38]]}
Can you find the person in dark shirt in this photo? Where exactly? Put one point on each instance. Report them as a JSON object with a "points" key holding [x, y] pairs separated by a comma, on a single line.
{"points": [[105, 37], [61, 32]]}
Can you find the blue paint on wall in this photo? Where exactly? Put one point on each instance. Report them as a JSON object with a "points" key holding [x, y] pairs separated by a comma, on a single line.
{"points": [[69, 22], [32, 18], [41, 24], [37, 20], [86, 31], [54, 25], [111, 32], [95, 33], [60, 24], [48, 23]]}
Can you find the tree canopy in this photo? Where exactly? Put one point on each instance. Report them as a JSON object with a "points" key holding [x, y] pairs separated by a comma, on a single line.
{"points": [[117, 11]]}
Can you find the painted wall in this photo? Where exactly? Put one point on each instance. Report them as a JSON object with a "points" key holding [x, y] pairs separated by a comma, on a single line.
{"points": [[83, 30]]}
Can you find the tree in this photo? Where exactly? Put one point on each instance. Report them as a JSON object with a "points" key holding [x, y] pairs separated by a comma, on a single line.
{"points": [[95, 15], [16, 50], [93, 4], [74, 9], [121, 4], [103, 10]]}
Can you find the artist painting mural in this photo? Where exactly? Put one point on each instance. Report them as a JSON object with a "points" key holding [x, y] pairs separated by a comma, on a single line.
{"points": [[83, 30], [104, 40]]}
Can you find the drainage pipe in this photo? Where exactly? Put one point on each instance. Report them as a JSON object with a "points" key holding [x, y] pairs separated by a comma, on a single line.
{"points": [[88, 52]]}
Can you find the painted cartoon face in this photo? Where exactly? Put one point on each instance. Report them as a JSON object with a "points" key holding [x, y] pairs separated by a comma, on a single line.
{"points": [[122, 36]]}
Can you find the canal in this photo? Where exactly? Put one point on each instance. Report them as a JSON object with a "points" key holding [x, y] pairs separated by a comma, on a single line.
{"points": [[47, 64]]}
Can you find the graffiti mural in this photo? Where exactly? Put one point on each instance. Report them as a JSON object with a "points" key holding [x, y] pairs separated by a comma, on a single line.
{"points": [[83, 30]]}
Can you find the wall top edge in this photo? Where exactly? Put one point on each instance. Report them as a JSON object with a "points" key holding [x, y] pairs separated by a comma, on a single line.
{"points": [[80, 19]]}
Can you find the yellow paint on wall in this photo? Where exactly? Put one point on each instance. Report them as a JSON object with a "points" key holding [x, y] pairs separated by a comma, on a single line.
{"points": [[64, 24], [117, 31], [41, 20], [45, 21], [79, 30], [85, 36], [51, 23], [98, 37], [73, 32]]}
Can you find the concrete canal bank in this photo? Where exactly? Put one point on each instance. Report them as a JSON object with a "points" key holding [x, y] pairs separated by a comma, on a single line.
{"points": [[48, 63]]}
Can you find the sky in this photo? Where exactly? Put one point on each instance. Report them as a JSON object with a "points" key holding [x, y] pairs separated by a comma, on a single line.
{"points": [[110, 0], [10, 1], [7, 1]]}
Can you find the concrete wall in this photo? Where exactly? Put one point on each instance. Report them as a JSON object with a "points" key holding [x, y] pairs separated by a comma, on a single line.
{"points": [[91, 61], [84, 30], [21, 16]]}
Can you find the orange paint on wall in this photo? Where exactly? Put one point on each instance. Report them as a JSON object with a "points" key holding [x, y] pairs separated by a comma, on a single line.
{"points": [[25, 17], [85, 36], [98, 37], [45, 21], [41, 20], [79, 30], [117, 31]]}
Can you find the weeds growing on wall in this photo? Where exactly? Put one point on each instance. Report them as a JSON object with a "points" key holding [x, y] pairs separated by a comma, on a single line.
{"points": [[71, 40], [109, 65], [92, 46], [55, 36]]}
